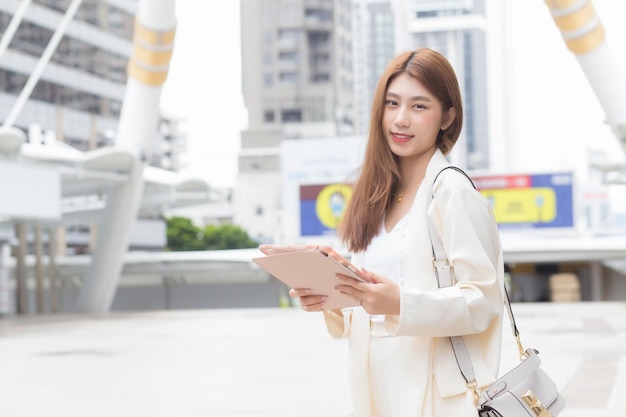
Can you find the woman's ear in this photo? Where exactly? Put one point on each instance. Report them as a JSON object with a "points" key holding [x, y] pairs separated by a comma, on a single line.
{"points": [[448, 118]]}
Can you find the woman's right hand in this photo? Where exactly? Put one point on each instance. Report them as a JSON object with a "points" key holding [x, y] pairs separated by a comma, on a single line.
{"points": [[307, 300]]}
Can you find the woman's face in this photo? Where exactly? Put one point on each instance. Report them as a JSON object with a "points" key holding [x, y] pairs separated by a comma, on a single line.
{"points": [[412, 118]]}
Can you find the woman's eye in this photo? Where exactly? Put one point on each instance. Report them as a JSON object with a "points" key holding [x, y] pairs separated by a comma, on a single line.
{"points": [[390, 102], [419, 106]]}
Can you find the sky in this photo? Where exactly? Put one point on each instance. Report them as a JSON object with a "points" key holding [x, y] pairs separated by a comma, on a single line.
{"points": [[204, 87], [550, 97]]}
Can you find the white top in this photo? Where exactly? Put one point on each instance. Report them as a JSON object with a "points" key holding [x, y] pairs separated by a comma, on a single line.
{"points": [[384, 256]]}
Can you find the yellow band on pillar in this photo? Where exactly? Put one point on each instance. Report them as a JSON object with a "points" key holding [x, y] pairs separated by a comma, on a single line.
{"points": [[146, 76], [148, 57], [587, 42], [153, 37], [577, 19], [152, 52]]}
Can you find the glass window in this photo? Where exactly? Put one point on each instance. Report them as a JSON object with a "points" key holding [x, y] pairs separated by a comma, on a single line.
{"points": [[319, 39], [32, 40], [320, 59], [288, 57], [288, 77], [318, 15], [291, 116], [12, 82], [97, 13], [288, 33], [320, 78], [429, 13]]}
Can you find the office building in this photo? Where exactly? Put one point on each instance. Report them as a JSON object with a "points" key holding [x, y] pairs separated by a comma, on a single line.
{"points": [[297, 71], [79, 95], [310, 68], [374, 47], [457, 29], [78, 98]]}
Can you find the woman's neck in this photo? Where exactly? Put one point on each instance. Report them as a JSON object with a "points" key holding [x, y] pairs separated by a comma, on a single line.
{"points": [[413, 168]]}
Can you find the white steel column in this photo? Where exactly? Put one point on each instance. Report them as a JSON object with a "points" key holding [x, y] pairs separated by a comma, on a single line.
{"points": [[584, 35], [148, 66], [13, 25]]}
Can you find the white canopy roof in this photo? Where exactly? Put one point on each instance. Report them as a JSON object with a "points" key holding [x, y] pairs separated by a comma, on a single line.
{"points": [[86, 178]]}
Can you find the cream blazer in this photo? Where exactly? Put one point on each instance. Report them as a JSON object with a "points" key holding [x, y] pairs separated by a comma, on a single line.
{"points": [[430, 383]]}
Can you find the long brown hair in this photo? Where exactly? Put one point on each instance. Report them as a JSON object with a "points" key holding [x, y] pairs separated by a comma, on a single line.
{"points": [[379, 178]]}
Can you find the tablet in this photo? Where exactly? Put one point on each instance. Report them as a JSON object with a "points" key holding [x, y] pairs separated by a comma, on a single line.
{"points": [[310, 266]]}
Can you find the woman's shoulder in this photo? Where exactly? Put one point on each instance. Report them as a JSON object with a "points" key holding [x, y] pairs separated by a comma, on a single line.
{"points": [[452, 178]]}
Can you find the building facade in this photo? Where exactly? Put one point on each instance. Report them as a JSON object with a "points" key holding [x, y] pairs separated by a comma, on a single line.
{"points": [[79, 95], [297, 71], [78, 98], [374, 47], [310, 68], [458, 30]]}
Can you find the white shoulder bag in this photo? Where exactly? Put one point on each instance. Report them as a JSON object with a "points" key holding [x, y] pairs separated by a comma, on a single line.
{"points": [[524, 391]]}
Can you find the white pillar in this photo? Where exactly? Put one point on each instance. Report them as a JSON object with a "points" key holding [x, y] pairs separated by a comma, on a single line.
{"points": [[147, 70], [584, 36], [10, 30]]}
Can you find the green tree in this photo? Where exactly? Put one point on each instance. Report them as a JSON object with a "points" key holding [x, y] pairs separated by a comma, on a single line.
{"points": [[182, 235], [227, 236]]}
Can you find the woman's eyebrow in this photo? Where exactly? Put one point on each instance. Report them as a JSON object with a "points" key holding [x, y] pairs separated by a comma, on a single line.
{"points": [[414, 98]]}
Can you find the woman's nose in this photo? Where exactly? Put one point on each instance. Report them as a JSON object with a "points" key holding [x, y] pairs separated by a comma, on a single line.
{"points": [[402, 119]]}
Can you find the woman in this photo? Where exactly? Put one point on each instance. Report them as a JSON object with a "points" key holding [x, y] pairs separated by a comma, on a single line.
{"points": [[401, 360]]}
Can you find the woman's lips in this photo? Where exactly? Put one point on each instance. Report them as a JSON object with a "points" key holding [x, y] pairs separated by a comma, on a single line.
{"points": [[400, 137]]}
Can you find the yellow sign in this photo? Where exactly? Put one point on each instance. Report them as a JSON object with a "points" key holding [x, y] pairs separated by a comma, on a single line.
{"points": [[523, 205]]}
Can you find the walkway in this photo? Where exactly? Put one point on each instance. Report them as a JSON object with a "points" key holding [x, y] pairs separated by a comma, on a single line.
{"points": [[262, 362]]}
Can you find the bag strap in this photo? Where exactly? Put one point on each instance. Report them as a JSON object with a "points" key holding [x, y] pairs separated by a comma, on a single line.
{"points": [[444, 279]]}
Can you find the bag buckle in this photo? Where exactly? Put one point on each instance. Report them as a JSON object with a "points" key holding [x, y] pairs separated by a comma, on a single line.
{"points": [[535, 405], [439, 263], [474, 388]]}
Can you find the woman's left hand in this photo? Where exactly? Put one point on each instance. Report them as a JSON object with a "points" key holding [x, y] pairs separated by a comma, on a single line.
{"points": [[378, 296]]}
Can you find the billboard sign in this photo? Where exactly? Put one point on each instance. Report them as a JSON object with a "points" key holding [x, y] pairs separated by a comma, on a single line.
{"points": [[321, 208], [530, 201], [315, 173]]}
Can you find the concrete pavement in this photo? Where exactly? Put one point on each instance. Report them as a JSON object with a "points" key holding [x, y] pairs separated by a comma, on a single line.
{"points": [[263, 362]]}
